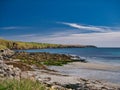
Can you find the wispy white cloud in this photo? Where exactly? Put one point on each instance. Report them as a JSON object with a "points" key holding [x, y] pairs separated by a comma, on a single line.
{"points": [[102, 37], [13, 27], [88, 27], [27, 35], [8, 28], [110, 39]]}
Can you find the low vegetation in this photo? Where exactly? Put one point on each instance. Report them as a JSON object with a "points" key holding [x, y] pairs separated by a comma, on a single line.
{"points": [[26, 45], [57, 62], [33, 45], [2, 47], [23, 84], [40, 59]]}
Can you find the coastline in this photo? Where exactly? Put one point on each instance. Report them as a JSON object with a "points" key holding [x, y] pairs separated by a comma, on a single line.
{"points": [[53, 77], [102, 72], [92, 66], [62, 79]]}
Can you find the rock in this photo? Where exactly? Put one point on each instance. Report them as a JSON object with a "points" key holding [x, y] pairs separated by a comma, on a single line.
{"points": [[47, 79], [44, 80], [55, 83], [1, 75], [94, 85], [7, 52], [9, 71], [15, 60], [57, 87], [10, 66]]}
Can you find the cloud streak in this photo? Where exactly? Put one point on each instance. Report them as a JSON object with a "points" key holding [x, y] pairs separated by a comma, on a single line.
{"points": [[87, 27], [13, 28], [102, 37], [109, 39]]}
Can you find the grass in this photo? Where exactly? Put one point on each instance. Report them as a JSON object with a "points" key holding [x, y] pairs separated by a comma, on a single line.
{"points": [[34, 45], [26, 45], [41, 59], [23, 84], [2, 47], [56, 62]]}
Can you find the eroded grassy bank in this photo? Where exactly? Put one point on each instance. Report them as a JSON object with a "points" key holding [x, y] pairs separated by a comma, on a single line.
{"points": [[34, 45]]}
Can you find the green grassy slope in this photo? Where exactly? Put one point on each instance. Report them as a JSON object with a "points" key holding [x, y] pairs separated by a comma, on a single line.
{"points": [[33, 45], [25, 45], [2, 47]]}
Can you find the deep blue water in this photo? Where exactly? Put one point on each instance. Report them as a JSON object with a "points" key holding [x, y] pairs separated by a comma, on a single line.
{"points": [[102, 55]]}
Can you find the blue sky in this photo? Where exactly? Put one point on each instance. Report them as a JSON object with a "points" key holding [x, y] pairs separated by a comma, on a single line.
{"points": [[94, 22]]}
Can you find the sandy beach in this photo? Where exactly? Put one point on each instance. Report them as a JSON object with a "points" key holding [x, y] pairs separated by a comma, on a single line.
{"points": [[71, 76], [62, 78], [92, 66], [94, 71]]}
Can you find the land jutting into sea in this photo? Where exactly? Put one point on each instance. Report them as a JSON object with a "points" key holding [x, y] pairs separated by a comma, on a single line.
{"points": [[21, 70]]}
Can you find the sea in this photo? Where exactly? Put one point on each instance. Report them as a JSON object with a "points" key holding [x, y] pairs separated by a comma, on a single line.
{"points": [[109, 56], [100, 55]]}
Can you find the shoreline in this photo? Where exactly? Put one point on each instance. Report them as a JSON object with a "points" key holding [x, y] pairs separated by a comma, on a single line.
{"points": [[56, 78], [93, 66], [102, 72], [65, 79]]}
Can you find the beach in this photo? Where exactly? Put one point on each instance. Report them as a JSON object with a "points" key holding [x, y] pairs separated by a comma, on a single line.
{"points": [[63, 73], [102, 63], [91, 66], [95, 71], [61, 76]]}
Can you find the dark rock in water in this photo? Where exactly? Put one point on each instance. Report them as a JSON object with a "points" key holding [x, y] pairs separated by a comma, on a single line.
{"points": [[77, 58]]}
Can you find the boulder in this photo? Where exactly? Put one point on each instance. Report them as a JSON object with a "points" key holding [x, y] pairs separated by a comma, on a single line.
{"points": [[9, 71], [57, 87]]}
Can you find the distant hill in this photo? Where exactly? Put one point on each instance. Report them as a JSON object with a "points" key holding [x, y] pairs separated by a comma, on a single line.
{"points": [[33, 45]]}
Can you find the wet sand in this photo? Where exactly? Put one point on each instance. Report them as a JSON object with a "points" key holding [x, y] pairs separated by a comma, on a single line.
{"points": [[93, 66], [67, 75], [103, 72]]}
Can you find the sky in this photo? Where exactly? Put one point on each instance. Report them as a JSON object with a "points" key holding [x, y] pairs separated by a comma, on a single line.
{"points": [[86, 22]]}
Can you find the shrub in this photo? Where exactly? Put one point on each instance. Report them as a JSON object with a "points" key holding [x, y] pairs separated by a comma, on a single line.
{"points": [[23, 84]]}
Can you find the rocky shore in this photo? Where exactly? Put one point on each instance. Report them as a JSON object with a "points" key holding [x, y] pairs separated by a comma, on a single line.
{"points": [[53, 80]]}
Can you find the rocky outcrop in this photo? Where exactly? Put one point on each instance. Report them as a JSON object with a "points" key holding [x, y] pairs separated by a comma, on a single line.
{"points": [[8, 71], [86, 84], [6, 52]]}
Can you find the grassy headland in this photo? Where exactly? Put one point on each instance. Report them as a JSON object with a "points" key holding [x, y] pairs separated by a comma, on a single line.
{"points": [[34, 45], [26, 45], [39, 59]]}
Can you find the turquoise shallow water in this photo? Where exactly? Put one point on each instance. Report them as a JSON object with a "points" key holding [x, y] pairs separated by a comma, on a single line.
{"points": [[101, 55]]}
